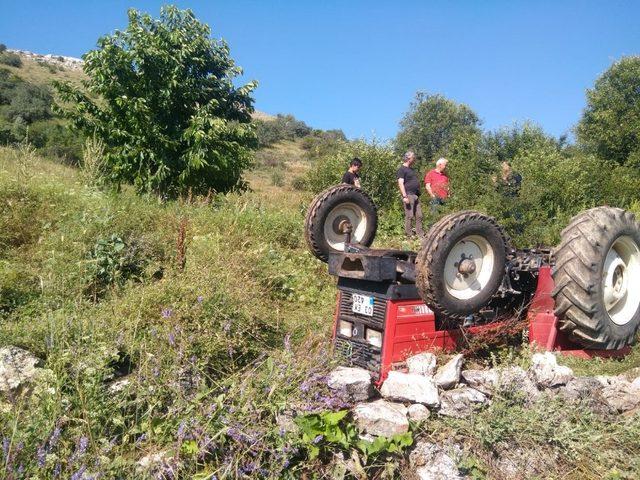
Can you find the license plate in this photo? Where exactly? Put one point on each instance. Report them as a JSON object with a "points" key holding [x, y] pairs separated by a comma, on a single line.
{"points": [[362, 304]]}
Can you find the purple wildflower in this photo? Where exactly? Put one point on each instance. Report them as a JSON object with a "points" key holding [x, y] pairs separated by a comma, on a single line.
{"points": [[318, 439], [56, 470], [79, 474], [42, 456], [172, 339], [181, 429], [167, 312], [82, 445], [5, 446], [287, 342], [200, 298]]}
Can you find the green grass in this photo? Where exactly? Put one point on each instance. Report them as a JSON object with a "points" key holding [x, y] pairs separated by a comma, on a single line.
{"points": [[220, 319]]}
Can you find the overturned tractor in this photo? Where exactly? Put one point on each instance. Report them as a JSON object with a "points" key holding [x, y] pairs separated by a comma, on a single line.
{"points": [[583, 296]]}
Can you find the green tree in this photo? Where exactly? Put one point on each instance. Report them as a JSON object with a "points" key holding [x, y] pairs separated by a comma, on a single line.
{"points": [[610, 124], [161, 97], [432, 123]]}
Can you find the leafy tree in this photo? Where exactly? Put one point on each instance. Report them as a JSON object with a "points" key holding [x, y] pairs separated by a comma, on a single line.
{"points": [[161, 97], [282, 127], [610, 124], [432, 123]]}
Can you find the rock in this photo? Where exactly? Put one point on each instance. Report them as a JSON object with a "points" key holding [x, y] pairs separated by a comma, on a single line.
{"points": [[433, 463], [484, 381], [17, 368], [418, 412], [422, 364], [119, 385], [632, 374], [547, 372], [621, 396], [410, 387], [448, 375], [516, 462], [152, 461], [461, 402], [636, 383], [381, 418], [584, 390], [516, 381], [353, 383]]}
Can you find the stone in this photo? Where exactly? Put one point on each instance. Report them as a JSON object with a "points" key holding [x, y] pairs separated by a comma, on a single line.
{"points": [[422, 364], [515, 380], [17, 368], [353, 383], [546, 371], [621, 396], [585, 390], [381, 418], [418, 412], [152, 461], [119, 385], [636, 383], [448, 375], [461, 402], [432, 462], [484, 381], [410, 387]]}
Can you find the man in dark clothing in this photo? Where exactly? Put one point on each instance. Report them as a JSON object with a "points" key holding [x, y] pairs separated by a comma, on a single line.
{"points": [[510, 181], [351, 176], [409, 186]]}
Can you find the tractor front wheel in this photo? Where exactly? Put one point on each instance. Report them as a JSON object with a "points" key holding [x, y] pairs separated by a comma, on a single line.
{"points": [[597, 278], [331, 212], [461, 264]]}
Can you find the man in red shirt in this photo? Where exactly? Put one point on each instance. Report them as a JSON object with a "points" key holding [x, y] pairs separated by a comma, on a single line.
{"points": [[436, 182]]}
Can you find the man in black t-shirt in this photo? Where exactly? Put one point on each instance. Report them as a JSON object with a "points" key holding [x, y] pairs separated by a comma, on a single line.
{"points": [[351, 176], [409, 186]]}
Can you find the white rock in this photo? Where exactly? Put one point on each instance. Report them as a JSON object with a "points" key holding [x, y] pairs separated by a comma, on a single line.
{"points": [[17, 368], [547, 372], [410, 387], [636, 383], [354, 383], [119, 385], [422, 364], [152, 460], [621, 396], [418, 412], [448, 375], [434, 463], [461, 402], [381, 418], [484, 381], [515, 380]]}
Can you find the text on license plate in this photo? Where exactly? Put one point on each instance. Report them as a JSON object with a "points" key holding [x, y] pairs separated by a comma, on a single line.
{"points": [[362, 304]]}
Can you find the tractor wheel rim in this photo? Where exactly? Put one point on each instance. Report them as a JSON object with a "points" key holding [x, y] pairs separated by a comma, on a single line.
{"points": [[351, 213], [465, 286], [620, 280]]}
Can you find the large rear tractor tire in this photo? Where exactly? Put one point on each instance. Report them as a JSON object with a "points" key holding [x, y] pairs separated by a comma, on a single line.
{"points": [[461, 264], [330, 211], [597, 278]]}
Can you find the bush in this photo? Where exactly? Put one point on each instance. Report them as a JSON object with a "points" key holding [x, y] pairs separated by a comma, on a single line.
{"points": [[378, 173], [163, 100], [282, 127], [11, 59], [29, 102]]}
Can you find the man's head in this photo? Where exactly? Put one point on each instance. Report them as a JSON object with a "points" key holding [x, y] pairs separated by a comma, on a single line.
{"points": [[441, 164], [409, 158], [355, 165], [506, 168]]}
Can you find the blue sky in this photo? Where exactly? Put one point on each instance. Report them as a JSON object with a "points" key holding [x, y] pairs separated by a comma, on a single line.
{"points": [[356, 65]]}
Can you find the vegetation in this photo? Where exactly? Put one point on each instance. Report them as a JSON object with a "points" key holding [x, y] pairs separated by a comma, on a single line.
{"points": [[610, 125], [166, 109]]}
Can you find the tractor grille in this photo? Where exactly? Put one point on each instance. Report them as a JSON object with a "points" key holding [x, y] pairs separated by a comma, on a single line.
{"points": [[356, 350], [358, 354]]}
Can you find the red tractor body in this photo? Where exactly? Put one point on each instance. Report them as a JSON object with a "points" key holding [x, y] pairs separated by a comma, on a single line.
{"points": [[380, 322]]}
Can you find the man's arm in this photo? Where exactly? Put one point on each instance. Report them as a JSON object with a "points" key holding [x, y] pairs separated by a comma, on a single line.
{"points": [[356, 182], [403, 192], [427, 185]]}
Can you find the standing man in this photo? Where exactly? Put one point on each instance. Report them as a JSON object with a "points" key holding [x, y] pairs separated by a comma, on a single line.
{"points": [[437, 184], [351, 176], [409, 186]]}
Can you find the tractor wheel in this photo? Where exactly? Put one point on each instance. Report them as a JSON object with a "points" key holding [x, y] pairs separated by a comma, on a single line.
{"points": [[461, 264], [330, 211], [597, 278]]}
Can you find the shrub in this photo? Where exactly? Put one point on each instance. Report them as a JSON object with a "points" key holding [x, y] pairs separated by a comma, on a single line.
{"points": [[282, 127], [29, 102], [170, 116], [11, 59]]}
